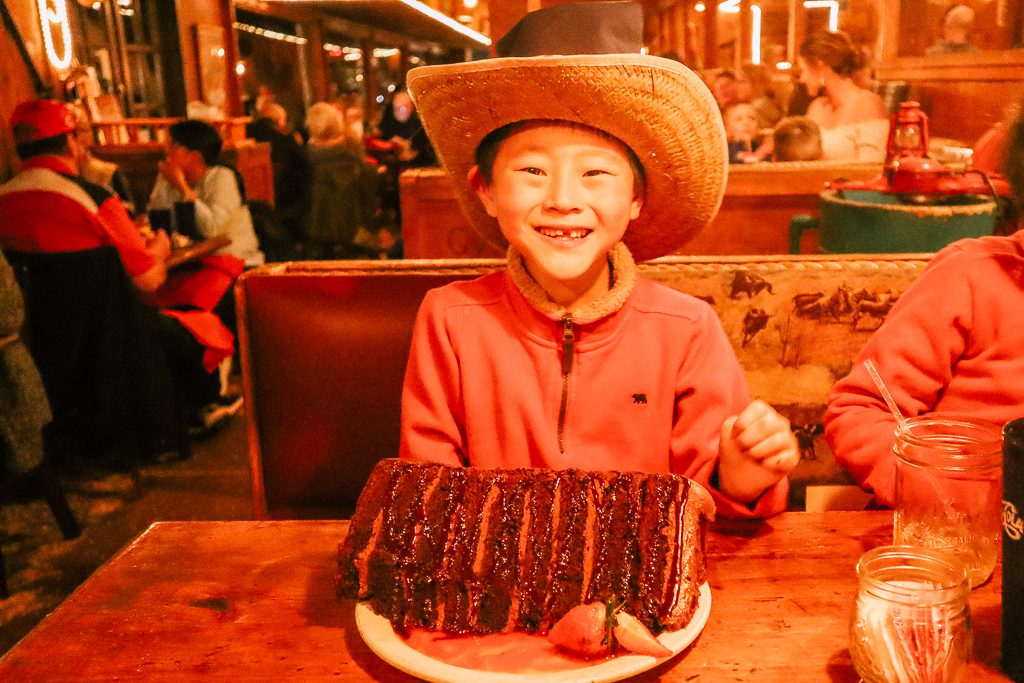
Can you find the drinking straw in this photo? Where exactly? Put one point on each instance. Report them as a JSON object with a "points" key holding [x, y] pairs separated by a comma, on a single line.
{"points": [[889, 401]]}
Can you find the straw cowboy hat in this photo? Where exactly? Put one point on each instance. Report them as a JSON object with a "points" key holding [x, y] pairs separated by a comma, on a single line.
{"points": [[581, 63]]}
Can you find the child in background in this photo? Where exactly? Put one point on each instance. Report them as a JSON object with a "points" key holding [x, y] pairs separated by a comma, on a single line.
{"points": [[797, 138], [952, 344], [568, 358], [745, 143]]}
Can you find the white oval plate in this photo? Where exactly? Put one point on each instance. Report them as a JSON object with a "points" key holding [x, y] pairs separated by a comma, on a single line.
{"points": [[389, 646]]}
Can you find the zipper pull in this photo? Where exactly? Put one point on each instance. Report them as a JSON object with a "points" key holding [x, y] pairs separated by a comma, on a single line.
{"points": [[568, 343]]}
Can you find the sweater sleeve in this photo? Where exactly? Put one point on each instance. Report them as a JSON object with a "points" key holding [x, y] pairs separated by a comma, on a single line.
{"points": [[433, 422], [915, 350], [163, 195], [217, 198], [711, 387]]}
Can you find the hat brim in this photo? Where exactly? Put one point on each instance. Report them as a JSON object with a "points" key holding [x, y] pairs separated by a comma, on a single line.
{"points": [[657, 106]]}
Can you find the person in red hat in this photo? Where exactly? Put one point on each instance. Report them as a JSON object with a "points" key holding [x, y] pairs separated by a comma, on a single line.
{"points": [[49, 208]]}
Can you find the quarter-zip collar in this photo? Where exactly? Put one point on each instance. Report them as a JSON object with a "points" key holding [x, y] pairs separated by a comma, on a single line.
{"points": [[600, 318], [623, 270]]}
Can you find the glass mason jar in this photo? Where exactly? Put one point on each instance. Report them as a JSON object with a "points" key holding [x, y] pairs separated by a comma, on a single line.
{"points": [[949, 489], [910, 622]]}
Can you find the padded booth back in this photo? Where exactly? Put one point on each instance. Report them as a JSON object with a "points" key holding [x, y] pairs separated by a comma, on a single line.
{"points": [[324, 349]]}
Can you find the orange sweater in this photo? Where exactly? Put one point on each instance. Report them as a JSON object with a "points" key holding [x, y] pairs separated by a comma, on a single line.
{"points": [[649, 378], [953, 343]]}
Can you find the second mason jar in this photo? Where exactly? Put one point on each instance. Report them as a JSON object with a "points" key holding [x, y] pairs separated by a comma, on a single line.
{"points": [[949, 489], [910, 622]]}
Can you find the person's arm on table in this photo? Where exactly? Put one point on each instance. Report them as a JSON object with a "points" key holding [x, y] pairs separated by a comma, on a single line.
{"points": [[143, 259], [915, 351], [219, 199]]}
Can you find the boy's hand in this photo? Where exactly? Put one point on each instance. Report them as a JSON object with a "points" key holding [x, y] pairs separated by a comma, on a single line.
{"points": [[756, 450]]}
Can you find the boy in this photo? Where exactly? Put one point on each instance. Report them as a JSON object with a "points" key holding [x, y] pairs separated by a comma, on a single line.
{"points": [[568, 359], [190, 174], [797, 138]]}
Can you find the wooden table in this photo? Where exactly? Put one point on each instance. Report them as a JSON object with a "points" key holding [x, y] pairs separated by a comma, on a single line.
{"points": [[254, 601], [196, 251]]}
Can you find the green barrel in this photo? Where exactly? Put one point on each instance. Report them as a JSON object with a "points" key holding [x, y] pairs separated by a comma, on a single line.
{"points": [[867, 222]]}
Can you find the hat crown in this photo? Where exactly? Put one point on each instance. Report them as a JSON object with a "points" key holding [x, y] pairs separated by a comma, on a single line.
{"points": [[579, 28], [38, 119]]}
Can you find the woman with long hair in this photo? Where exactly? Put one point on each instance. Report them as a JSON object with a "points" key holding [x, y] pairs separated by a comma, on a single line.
{"points": [[852, 119]]}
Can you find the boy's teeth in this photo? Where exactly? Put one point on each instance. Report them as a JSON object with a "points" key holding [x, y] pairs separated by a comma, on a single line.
{"points": [[570, 234]]}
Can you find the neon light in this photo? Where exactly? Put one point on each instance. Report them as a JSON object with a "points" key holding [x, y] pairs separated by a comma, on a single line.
{"points": [[733, 7], [833, 11], [273, 35], [447, 21], [439, 17], [47, 19], [755, 34]]}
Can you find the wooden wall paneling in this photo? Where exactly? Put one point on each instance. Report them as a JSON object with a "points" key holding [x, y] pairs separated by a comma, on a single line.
{"points": [[16, 83], [963, 95], [191, 13], [317, 60], [710, 35], [226, 15]]}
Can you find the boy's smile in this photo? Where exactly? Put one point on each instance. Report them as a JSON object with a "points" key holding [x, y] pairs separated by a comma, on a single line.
{"points": [[563, 196]]}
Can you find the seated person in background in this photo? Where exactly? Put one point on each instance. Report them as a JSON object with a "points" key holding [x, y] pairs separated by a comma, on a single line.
{"points": [[400, 125], [952, 343], [48, 207], [191, 173], [957, 24], [342, 185], [745, 143], [853, 122], [291, 174], [24, 410], [726, 89], [95, 170], [756, 87], [797, 138], [568, 358]]}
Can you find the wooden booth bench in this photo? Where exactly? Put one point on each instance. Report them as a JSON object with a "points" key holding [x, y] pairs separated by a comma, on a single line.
{"points": [[324, 348], [759, 202]]}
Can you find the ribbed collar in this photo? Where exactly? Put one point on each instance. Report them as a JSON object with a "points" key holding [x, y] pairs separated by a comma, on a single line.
{"points": [[623, 282]]}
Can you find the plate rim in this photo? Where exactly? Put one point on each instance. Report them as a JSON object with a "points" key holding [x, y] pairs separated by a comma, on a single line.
{"points": [[380, 637]]}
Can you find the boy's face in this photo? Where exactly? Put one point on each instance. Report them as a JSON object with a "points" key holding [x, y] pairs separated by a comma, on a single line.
{"points": [[563, 196], [741, 122]]}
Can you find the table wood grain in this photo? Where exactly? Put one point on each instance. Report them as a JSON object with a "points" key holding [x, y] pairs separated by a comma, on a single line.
{"points": [[254, 601], [196, 251]]}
